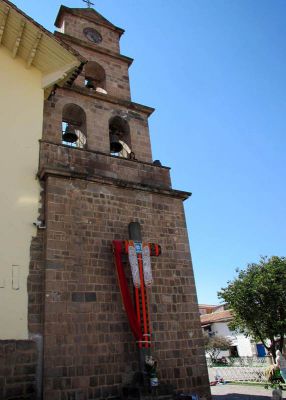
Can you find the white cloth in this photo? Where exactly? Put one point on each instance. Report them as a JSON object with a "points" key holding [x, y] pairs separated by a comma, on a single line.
{"points": [[148, 278], [134, 266]]}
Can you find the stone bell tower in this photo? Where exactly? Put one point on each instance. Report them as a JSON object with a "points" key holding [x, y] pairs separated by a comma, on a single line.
{"points": [[98, 175]]}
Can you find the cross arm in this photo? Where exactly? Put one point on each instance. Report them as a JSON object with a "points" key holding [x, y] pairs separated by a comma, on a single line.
{"points": [[155, 249]]}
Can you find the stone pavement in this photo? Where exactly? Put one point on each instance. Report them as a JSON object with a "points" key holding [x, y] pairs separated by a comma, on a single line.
{"points": [[241, 392]]}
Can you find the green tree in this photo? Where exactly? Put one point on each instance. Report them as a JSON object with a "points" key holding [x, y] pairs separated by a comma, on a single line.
{"points": [[257, 297], [214, 345]]}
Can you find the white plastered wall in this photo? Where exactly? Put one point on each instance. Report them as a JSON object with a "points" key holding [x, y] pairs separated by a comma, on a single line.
{"points": [[243, 343], [21, 115]]}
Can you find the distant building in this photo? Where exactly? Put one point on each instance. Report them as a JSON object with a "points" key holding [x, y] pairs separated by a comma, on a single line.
{"points": [[215, 321]]}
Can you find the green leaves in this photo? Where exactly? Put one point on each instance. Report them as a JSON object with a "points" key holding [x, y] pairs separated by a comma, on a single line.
{"points": [[257, 297], [215, 344]]}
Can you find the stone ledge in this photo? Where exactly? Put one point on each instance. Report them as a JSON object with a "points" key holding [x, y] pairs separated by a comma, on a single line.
{"points": [[110, 99], [105, 154], [45, 172], [90, 165]]}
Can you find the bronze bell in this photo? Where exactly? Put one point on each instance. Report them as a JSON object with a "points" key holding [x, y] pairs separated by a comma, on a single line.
{"points": [[90, 84], [115, 145], [69, 135]]}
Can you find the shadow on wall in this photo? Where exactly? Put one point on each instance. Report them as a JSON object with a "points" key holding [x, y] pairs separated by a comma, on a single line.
{"points": [[236, 396]]}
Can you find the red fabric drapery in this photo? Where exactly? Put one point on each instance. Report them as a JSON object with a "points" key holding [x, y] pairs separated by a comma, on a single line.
{"points": [[125, 293]]}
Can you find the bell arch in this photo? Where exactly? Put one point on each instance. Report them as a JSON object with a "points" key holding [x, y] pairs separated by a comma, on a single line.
{"points": [[95, 77], [119, 137], [74, 126]]}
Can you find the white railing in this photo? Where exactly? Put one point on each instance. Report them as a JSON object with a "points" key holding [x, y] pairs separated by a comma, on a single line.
{"points": [[250, 374], [250, 369], [253, 361]]}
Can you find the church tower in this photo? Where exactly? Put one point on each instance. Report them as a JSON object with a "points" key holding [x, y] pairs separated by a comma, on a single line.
{"points": [[98, 175]]}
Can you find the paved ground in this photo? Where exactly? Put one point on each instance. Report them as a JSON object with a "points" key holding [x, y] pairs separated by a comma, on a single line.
{"points": [[241, 392]]}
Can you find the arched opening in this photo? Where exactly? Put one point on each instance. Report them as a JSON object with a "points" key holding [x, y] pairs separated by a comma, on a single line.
{"points": [[119, 137], [74, 126], [95, 77]]}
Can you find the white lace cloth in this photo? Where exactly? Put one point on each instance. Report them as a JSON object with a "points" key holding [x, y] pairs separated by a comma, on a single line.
{"points": [[134, 266], [133, 261], [148, 278]]}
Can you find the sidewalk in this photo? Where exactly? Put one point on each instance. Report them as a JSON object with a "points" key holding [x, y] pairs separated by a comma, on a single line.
{"points": [[241, 392]]}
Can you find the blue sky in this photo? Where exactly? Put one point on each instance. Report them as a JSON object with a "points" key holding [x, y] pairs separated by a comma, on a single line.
{"points": [[215, 72]]}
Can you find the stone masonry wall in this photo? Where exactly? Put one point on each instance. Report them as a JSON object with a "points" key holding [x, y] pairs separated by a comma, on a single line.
{"points": [[35, 283], [74, 26], [116, 70], [93, 164], [89, 350], [17, 370], [98, 113]]}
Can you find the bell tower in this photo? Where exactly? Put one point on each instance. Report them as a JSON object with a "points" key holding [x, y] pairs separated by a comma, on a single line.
{"points": [[97, 107], [98, 175]]}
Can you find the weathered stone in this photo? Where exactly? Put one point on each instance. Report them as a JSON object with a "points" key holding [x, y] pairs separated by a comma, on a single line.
{"points": [[18, 369], [89, 197]]}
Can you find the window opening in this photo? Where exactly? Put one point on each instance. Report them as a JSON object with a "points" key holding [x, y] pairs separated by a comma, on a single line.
{"points": [[124, 152], [79, 138], [74, 126], [119, 136], [95, 77]]}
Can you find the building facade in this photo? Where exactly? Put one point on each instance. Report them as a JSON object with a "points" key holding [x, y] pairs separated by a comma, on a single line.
{"points": [[32, 62], [96, 175], [215, 321]]}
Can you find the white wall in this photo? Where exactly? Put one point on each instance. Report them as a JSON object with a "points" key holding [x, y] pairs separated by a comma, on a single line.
{"points": [[21, 114], [221, 329], [244, 346]]}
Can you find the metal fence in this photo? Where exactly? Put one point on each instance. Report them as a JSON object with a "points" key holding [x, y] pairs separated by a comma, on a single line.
{"points": [[251, 369], [253, 361]]}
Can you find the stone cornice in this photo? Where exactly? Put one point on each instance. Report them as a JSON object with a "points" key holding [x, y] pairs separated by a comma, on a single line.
{"points": [[47, 171], [111, 99]]}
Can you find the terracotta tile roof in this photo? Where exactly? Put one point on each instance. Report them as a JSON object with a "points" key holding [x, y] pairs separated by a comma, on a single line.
{"points": [[219, 316]]}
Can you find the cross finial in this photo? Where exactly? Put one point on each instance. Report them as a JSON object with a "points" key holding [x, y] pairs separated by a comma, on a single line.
{"points": [[89, 3]]}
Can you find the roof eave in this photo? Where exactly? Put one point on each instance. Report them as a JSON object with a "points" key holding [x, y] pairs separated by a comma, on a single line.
{"points": [[69, 62]]}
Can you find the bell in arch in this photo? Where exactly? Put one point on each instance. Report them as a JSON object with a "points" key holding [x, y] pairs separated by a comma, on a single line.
{"points": [[70, 135], [90, 84], [115, 145]]}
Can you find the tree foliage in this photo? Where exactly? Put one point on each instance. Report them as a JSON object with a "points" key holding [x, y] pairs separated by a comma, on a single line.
{"points": [[257, 297], [214, 345]]}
